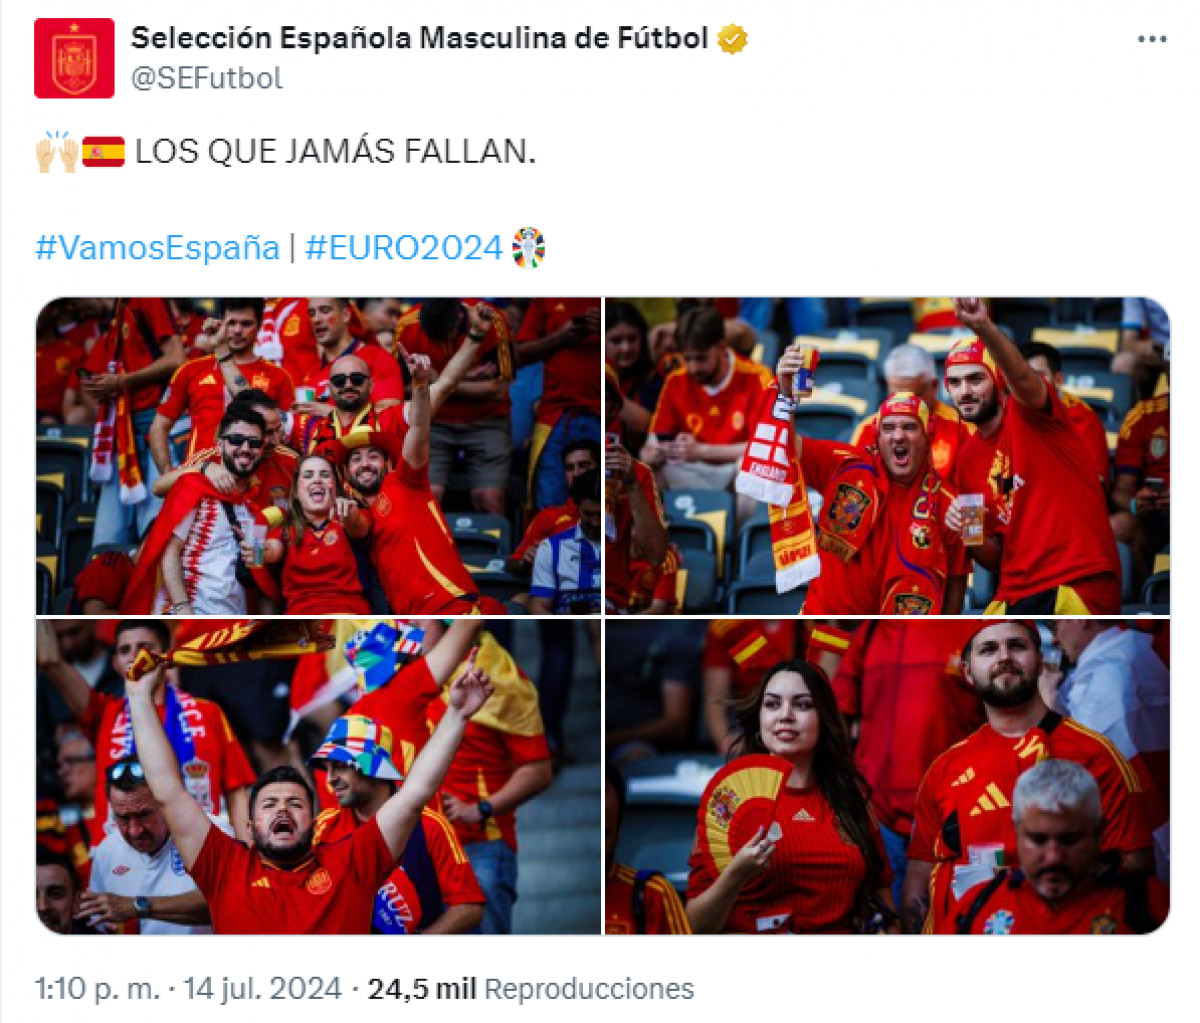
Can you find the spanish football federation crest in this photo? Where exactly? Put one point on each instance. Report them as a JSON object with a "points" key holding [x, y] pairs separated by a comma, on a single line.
{"points": [[73, 58], [846, 511]]}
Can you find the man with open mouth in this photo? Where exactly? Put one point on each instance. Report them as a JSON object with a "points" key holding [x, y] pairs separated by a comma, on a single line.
{"points": [[283, 885]]}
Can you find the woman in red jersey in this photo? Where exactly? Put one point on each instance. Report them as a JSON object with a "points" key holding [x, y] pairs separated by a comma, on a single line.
{"points": [[820, 867], [320, 573]]}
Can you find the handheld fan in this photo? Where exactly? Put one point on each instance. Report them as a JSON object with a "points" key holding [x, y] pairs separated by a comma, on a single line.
{"points": [[739, 800]]}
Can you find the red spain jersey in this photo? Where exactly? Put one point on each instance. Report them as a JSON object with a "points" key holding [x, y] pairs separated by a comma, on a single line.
{"points": [[456, 409], [147, 323], [571, 379], [1094, 907], [947, 432], [387, 380], [617, 552], [287, 328], [713, 415], [812, 883], [545, 524], [858, 586], [649, 583], [104, 578], [219, 765], [316, 433], [57, 360], [663, 913], [403, 705], [413, 552], [198, 389], [482, 766], [1144, 446], [1040, 488], [748, 649], [320, 573], [902, 680], [1090, 428], [330, 892], [965, 799], [454, 879], [271, 483]]}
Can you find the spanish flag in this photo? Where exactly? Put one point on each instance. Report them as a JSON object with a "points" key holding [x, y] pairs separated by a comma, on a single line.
{"points": [[827, 638], [226, 641], [104, 151]]}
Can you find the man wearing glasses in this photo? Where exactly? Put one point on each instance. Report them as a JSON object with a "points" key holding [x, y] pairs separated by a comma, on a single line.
{"points": [[137, 872], [191, 562]]}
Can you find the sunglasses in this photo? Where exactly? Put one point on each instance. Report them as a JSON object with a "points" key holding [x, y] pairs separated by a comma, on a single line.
{"points": [[238, 440], [340, 380], [131, 768]]}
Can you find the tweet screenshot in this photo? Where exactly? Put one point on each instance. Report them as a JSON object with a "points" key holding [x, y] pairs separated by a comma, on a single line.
{"points": [[510, 583]]}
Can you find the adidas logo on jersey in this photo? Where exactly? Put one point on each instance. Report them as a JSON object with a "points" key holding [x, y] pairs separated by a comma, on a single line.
{"points": [[963, 778], [803, 816], [990, 799], [262, 882]]}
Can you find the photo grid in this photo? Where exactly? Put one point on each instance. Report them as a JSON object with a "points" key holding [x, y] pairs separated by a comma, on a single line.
{"points": [[784, 481]]}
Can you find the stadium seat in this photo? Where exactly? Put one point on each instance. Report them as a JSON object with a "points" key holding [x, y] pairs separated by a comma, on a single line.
{"points": [[1158, 610], [1157, 589], [50, 505], [699, 571], [874, 342], [498, 584], [1084, 348], [753, 541], [714, 507], [1023, 315], [66, 457], [47, 573], [1128, 573], [670, 779], [767, 348], [981, 587], [476, 533], [760, 598], [1110, 394], [829, 416], [76, 543], [894, 314], [62, 602]]}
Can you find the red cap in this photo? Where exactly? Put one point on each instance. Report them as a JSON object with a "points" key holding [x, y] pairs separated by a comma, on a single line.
{"points": [[988, 622]]}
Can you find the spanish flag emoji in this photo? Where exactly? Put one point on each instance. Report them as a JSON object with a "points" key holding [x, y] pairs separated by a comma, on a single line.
{"points": [[104, 151]]}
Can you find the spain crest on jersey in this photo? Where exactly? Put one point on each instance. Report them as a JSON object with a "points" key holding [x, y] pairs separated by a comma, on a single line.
{"points": [[912, 604], [847, 508]]}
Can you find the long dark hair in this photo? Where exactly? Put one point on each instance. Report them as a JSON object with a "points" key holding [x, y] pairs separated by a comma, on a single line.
{"points": [[296, 523], [624, 314], [836, 773]]}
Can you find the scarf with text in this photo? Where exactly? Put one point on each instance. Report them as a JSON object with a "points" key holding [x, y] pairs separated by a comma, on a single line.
{"points": [[770, 472]]}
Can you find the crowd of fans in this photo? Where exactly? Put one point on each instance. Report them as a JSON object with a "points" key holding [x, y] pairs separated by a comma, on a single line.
{"points": [[166, 797], [733, 483], [899, 805], [318, 456]]}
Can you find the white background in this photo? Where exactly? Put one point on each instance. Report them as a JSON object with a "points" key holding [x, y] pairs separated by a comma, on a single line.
{"points": [[863, 147]]}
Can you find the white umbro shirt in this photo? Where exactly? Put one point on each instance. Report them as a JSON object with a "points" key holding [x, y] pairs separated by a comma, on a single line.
{"points": [[119, 869]]}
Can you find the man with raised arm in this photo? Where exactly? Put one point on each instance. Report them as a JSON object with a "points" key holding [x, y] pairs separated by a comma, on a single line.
{"points": [[284, 885], [1048, 533]]}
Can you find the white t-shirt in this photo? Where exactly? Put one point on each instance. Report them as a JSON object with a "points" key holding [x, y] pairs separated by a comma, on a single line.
{"points": [[119, 869], [210, 555]]}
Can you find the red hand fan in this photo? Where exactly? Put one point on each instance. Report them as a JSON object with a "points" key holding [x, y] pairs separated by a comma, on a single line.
{"points": [[738, 801]]}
